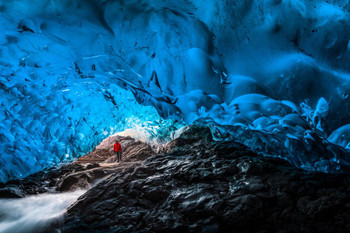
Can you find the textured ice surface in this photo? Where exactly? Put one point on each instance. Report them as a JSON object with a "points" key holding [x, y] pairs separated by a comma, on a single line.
{"points": [[272, 74]]}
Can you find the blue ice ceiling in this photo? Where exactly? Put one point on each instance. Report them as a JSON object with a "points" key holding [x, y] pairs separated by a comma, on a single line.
{"points": [[271, 74]]}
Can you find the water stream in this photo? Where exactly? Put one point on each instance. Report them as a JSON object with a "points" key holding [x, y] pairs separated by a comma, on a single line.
{"points": [[35, 213]]}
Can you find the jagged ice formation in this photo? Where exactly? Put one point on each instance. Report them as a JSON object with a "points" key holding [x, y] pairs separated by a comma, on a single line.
{"points": [[273, 74]]}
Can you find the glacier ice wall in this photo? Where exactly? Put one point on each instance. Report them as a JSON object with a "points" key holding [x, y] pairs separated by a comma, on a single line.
{"points": [[273, 74]]}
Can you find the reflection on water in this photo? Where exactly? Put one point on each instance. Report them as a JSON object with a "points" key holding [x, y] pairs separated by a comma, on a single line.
{"points": [[34, 213]]}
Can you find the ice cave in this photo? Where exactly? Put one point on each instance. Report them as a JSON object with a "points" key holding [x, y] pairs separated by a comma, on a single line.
{"points": [[272, 75]]}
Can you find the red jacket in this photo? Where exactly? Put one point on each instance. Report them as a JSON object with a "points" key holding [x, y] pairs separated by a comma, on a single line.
{"points": [[117, 147]]}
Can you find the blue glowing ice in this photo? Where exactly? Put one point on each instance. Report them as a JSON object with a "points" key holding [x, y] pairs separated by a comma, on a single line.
{"points": [[74, 72]]}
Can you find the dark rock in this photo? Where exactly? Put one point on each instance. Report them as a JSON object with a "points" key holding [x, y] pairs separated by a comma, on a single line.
{"points": [[92, 165], [198, 185], [229, 149], [192, 134], [195, 133], [208, 186], [157, 195], [74, 181], [211, 228], [11, 192], [40, 182]]}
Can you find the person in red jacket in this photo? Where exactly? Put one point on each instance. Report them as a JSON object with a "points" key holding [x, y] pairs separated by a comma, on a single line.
{"points": [[118, 150]]}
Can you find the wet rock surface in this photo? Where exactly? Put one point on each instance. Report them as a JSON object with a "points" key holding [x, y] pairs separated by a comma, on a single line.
{"points": [[41, 182], [205, 186], [82, 174]]}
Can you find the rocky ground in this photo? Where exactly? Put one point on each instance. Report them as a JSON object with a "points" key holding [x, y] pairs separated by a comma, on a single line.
{"points": [[194, 185], [198, 185], [132, 151], [82, 174]]}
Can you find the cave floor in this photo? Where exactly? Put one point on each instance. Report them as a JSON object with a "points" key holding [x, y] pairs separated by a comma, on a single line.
{"points": [[195, 185], [198, 185]]}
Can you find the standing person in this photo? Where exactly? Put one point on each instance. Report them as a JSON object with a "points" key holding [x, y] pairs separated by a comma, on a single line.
{"points": [[118, 150]]}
